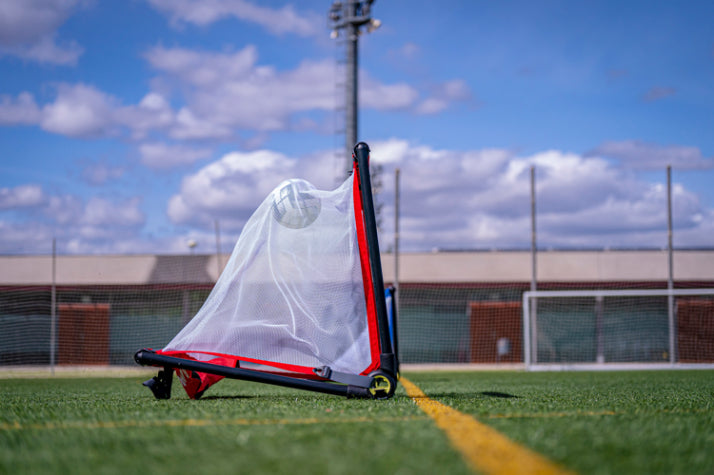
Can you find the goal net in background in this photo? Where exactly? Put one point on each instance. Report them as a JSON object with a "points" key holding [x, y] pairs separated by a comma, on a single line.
{"points": [[105, 324], [98, 322], [81, 322], [591, 329], [460, 323]]}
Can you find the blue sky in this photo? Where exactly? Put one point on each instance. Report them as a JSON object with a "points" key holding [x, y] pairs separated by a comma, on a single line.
{"points": [[134, 126]]}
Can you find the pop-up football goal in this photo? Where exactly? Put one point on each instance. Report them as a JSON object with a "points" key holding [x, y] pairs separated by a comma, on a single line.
{"points": [[301, 302]]}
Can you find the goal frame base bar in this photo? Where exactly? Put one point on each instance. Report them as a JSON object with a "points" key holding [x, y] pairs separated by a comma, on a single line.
{"points": [[378, 390]]}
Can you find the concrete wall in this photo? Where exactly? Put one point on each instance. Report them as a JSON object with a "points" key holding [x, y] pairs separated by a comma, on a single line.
{"points": [[552, 266], [445, 267]]}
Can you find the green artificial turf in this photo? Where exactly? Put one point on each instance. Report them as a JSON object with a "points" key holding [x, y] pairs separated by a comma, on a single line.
{"points": [[594, 422], [619, 422]]}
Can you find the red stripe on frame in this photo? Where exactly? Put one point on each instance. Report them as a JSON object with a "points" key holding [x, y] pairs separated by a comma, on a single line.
{"points": [[288, 367], [366, 274]]}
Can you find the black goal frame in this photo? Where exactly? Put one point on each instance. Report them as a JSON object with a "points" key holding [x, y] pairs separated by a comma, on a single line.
{"points": [[380, 384]]}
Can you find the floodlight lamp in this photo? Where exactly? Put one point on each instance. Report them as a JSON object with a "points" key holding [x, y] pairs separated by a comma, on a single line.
{"points": [[334, 34], [373, 25]]}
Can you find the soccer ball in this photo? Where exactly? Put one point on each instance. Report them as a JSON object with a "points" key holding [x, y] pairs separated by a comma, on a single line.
{"points": [[294, 206]]}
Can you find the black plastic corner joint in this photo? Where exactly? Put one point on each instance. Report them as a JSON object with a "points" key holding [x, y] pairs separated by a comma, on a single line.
{"points": [[361, 146], [323, 372]]}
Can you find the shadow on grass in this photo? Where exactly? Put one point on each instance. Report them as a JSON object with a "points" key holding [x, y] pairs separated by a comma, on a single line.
{"points": [[218, 398], [499, 394]]}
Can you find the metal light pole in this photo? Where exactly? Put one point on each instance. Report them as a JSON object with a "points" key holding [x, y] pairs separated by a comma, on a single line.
{"points": [[350, 16]]}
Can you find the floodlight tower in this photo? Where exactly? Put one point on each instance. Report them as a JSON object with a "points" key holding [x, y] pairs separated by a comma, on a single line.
{"points": [[351, 16]]}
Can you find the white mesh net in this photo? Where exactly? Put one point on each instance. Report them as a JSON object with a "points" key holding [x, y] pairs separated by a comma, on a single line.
{"points": [[292, 291]]}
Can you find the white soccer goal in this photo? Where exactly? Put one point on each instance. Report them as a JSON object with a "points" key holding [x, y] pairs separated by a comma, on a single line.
{"points": [[618, 329]]}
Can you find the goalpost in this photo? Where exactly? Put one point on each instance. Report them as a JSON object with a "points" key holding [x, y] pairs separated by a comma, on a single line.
{"points": [[618, 329]]}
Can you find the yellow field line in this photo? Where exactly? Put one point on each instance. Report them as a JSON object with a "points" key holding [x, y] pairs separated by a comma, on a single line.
{"points": [[485, 449], [8, 426]]}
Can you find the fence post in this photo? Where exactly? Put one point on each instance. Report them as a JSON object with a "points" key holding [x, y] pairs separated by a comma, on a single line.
{"points": [[670, 266], [533, 308], [396, 232], [53, 309]]}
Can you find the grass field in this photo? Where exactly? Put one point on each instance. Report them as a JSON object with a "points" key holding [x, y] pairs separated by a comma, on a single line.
{"points": [[605, 422]]}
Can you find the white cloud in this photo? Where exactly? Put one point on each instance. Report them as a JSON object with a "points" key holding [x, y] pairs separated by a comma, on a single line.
{"points": [[23, 196], [46, 50], [26, 20], [481, 199], [230, 187], [81, 226], [100, 213], [82, 110], [216, 96], [229, 91], [648, 156], [408, 51], [438, 169], [162, 156], [64, 210], [25, 238], [98, 174], [188, 126], [277, 21], [79, 111], [431, 105], [699, 235], [225, 92], [379, 96], [203, 68], [640, 221], [20, 111], [443, 95], [455, 89], [450, 199], [28, 30], [152, 113]]}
